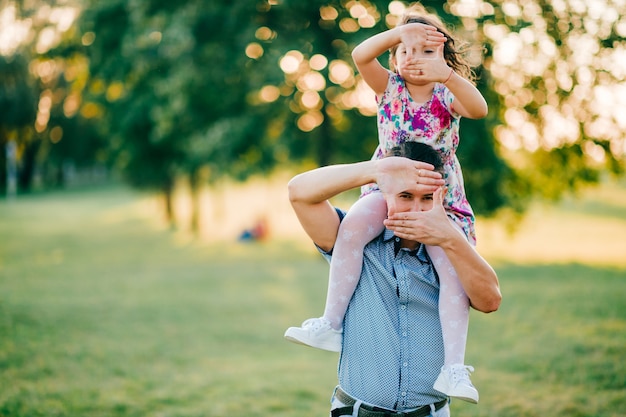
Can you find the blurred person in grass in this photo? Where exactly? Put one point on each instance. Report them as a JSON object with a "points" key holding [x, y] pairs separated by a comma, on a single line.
{"points": [[392, 348]]}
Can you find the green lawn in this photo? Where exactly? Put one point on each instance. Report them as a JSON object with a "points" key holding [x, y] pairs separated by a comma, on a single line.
{"points": [[104, 314]]}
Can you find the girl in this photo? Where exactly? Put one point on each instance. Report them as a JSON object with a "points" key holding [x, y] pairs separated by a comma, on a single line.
{"points": [[429, 88]]}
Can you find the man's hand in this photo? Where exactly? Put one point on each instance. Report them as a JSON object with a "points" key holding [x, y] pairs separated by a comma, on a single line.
{"points": [[395, 174], [431, 227], [434, 228]]}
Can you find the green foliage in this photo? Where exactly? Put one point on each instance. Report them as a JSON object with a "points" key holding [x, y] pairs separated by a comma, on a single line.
{"points": [[183, 106], [491, 183], [17, 110], [560, 90], [17, 93], [163, 89]]}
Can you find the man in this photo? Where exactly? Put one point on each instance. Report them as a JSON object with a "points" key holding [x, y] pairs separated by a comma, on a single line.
{"points": [[392, 345]]}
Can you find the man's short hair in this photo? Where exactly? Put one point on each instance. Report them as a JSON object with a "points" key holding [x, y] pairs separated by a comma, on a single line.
{"points": [[418, 152]]}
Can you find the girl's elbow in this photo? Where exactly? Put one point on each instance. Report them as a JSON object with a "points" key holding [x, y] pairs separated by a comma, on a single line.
{"points": [[480, 112]]}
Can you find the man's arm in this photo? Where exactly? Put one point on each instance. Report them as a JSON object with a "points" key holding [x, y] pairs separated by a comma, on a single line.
{"points": [[310, 191], [433, 227]]}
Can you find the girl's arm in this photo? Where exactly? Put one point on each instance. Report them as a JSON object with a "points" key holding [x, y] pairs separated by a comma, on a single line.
{"points": [[468, 101], [366, 54]]}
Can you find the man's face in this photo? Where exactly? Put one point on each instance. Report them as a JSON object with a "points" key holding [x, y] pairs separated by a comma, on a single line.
{"points": [[409, 200]]}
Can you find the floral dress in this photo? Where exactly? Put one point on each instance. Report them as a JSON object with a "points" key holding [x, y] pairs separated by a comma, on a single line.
{"points": [[434, 123]]}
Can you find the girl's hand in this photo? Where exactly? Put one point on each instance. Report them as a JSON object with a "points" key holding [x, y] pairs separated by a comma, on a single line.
{"points": [[415, 36], [433, 69]]}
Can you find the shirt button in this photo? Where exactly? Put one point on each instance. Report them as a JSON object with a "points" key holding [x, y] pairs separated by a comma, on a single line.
{"points": [[403, 307], [404, 334], [405, 364], [397, 239], [401, 282], [403, 394]]}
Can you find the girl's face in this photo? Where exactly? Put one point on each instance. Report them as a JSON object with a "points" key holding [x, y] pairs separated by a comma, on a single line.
{"points": [[404, 62], [403, 56]]}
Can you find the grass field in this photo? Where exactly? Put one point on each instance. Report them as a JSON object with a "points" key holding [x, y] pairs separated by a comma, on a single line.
{"points": [[103, 312]]}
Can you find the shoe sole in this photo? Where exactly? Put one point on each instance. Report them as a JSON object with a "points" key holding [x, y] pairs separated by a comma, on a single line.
{"points": [[440, 386], [468, 399], [324, 346]]}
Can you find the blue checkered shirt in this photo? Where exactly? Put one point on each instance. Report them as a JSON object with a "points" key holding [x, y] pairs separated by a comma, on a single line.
{"points": [[392, 343]]}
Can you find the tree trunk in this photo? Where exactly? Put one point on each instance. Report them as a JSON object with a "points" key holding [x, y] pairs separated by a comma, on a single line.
{"points": [[168, 195], [194, 188], [27, 166]]}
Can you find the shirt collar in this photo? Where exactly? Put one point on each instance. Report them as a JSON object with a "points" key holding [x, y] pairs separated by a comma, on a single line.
{"points": [[420, 252], [388, 235]]}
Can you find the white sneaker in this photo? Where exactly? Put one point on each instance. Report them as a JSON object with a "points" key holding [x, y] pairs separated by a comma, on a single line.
{"points": [[454, 381], [316, 333]]}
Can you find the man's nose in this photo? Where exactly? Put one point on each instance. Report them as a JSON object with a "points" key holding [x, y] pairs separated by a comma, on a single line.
{"points": [[391, 208], [419, 206]]}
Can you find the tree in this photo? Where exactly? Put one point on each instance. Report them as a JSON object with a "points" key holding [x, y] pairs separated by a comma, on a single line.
{"points": [[17, 113], [545, 134], [41, 92], [332, 106], [209, 89], [171, 80], [559, 77]]}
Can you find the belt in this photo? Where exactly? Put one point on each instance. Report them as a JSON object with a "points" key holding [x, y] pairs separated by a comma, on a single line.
{"points": [[372, 411]]}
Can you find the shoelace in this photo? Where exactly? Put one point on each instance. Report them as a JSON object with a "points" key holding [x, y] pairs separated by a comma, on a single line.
{"points": [[461, 373], [314, 324]]}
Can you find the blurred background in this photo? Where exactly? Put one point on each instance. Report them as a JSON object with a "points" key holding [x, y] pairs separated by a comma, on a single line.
{"points": [[145, 143], [154, 93]]}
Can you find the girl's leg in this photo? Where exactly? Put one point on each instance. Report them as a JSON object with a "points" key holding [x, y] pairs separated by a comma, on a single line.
{"points": [[363, 222], [453, 307], [454, 315]]}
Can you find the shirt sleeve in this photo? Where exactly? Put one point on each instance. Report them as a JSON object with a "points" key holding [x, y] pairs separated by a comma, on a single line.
{"points": [[392, 78], [327, 255]]}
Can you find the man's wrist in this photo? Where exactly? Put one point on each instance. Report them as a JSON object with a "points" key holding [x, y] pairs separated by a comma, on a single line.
{"points": [[453, 242]]}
